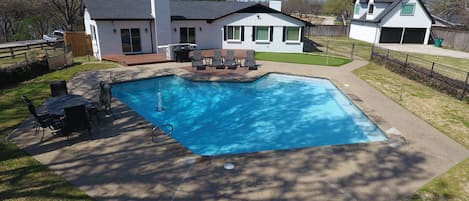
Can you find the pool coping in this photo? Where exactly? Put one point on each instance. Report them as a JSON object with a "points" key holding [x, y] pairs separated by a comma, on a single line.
{"points": [[373, 118]]}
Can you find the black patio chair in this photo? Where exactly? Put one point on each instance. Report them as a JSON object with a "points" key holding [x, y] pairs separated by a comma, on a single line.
{"points": [[104, 101], [250, 60], [217, 60], [230, 61], [75, 120], [58, 88], [43, 121], [197, 60]]}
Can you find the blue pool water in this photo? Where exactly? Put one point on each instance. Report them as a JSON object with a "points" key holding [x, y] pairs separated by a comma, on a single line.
{"points": [[273, 113]]}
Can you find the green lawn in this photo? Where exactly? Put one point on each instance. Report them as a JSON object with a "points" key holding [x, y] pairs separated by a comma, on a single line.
{"points": [[443, 112], [21, 176], [301, 58]]}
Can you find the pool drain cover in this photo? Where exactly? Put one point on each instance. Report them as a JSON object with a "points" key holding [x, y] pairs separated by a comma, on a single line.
{"points": [[228, 166]]}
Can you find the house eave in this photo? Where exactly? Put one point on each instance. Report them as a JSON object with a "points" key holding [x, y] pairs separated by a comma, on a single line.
{"points": [[265, 10], [368, 21], [122, 19]]}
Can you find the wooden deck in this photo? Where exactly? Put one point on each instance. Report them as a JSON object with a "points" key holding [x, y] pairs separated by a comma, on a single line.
{"points": [[138, 59]]}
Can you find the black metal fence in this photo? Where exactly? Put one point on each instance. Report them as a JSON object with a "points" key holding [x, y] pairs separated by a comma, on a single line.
{"points": [[447, 79], [340, 48]]}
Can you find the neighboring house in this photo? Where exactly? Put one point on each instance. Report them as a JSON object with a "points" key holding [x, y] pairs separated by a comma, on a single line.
{"points": [[391, 21], [142, 26]]}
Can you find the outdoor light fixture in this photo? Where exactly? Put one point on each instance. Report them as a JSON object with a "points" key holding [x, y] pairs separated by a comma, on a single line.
{"points": [[146, 30], [115, 31], [200, 28], [258, 17], [175, 30]]}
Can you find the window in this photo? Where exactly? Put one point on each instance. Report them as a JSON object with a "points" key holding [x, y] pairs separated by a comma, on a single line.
{"points": [[357, 9], [93, 32], [262, 34], [131, 40], [371, 9], [234, 33], [292, 34], [408, 9], [187, 35]]}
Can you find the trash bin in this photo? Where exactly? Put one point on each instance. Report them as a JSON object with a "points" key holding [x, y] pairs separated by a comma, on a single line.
{"points": [[438, 42], [181, 53]]}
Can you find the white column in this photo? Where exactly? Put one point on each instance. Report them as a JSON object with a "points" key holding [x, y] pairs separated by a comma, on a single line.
{"points": [[427, 36], [402, 35], [160, 11]]}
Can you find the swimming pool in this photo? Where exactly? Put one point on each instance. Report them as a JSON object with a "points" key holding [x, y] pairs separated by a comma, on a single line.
{"points": [[275, 112]]}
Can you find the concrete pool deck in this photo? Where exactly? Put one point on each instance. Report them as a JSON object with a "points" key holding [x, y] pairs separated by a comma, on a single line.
{"points": [[121, 162]]}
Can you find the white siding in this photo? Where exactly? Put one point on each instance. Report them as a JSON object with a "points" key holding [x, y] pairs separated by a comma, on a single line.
{"points": [[379, 8], [210, 35], [418, 20], [160, 10], [94, 42], [110, 42], [248, 20], [207, 36], [364, 31]]}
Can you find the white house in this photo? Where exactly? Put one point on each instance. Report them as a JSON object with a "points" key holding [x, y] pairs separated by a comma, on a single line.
{"points": [[140, 26], [391, 21]]}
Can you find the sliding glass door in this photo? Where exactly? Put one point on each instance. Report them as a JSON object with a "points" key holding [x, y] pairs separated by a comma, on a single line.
{"points": [[131, 42]]}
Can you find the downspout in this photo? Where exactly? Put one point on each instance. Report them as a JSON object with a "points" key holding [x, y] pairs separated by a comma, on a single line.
{"points": [[151, 38]]}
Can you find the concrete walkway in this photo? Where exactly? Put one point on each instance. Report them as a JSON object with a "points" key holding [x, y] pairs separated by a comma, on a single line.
{"points": [[121, 163], [426, 49]]}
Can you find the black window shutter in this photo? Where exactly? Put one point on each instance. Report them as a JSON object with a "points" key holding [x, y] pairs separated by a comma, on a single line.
{"points": [[225, 30], [242, 33], [253, 33], [284, 34], [302, 33], [271, 33]]}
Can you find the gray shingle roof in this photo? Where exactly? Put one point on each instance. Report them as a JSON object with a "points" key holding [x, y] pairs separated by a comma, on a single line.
{"points": [[141, 9], [119, 9], [205, 9]]}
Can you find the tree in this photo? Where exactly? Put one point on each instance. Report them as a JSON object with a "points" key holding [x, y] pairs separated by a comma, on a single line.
{"points": [[291, 6], [301, 6], [12, 11], [342, 8], [67, 12], [451, 9]]}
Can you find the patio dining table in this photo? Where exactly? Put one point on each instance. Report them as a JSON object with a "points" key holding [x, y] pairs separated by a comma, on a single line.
{"points": [[56, 105]]}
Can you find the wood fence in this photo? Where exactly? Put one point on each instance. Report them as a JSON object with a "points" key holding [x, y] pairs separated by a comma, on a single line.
{"points": [[60, 61], [452, 38], [80, 43], [327, 30], [20, 50]]}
